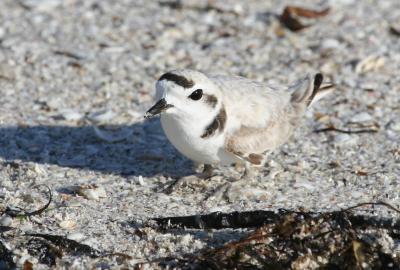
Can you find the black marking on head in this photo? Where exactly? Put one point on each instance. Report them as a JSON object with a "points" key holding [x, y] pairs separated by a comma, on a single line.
{"points": [[178, 79], [211, 100], [217, 124]]}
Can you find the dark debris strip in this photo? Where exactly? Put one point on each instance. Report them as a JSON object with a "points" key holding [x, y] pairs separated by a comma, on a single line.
{"points": [[291, 240], [6, 260], [68, 245]]}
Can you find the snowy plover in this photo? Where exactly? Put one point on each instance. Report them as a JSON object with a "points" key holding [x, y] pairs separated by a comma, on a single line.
{"points": [[215, 119]]}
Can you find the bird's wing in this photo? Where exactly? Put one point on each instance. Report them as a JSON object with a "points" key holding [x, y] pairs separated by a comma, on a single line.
{"points": [[252, 103], [254, 110]]}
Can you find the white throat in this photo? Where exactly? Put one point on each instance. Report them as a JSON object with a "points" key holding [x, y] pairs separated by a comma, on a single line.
{"points": [[185, 132], [187, 125]]}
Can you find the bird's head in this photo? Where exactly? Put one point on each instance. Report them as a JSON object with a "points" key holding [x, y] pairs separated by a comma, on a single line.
{"points": [[185, 92]]}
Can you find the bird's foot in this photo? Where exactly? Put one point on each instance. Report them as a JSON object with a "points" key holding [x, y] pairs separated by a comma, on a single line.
{"points": [[249, 174], [221, 192], [234, 185], [185, 181]]}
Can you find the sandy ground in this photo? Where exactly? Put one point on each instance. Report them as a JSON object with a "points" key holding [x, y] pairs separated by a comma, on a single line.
{"points": [[67, 67]]}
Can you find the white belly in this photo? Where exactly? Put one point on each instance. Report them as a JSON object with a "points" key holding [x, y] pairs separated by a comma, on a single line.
{"points": [[186, 137]]}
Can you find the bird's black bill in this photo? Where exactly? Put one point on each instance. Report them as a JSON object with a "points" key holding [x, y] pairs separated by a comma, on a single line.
{"points": [[158, 108]]}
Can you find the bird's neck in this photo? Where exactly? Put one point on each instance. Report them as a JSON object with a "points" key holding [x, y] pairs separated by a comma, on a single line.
{"points": [[194, 124]]}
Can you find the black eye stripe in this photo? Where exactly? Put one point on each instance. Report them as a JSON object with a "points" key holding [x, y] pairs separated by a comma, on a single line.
{"points": [[196, 95]]}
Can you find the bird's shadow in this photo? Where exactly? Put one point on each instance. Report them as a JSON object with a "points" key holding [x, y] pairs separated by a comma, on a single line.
{"points": [[146, 151]]}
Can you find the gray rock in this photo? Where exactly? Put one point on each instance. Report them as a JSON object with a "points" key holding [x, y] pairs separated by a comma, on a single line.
{"points": [[5, 221]]}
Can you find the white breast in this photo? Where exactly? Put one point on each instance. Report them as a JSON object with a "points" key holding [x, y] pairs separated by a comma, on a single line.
{"points": [[186, 137]]}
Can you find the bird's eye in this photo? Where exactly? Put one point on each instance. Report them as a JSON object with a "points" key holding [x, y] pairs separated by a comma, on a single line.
{"points": [[196, 95]]}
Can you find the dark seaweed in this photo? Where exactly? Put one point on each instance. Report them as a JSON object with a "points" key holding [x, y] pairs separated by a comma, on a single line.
{"points": [[44, 251], [257, 218], [68, 245], [290, 240], [6, 260]]}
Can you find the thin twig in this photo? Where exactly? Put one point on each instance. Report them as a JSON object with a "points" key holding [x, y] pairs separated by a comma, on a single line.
{"points": [[69, 54], [117, 254], [394, 31], [23, 213], [348, 131], [372, 203]]}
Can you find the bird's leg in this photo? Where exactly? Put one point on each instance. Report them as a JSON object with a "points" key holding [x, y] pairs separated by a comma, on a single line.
{"points": [[249, 174], [207, 173]]}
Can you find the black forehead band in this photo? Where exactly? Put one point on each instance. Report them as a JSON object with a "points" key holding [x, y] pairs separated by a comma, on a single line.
{"points": [[178, 79]]}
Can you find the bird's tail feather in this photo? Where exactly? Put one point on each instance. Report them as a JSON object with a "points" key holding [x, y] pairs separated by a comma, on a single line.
{"points": [[324, 90], [310, 91]]}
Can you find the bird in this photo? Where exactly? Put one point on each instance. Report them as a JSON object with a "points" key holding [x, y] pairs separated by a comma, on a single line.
{"points": [[221, 120]]}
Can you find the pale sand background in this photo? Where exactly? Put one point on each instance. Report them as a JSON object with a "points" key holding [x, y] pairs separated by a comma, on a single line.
{"points": [[50, 100]]}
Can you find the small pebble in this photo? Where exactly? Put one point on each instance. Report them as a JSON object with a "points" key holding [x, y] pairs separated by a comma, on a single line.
{"points": [[71, 115], [6, 221], [77, 236], [304, 183], [186, 239], [2, 32], [344, 139], [370, 64], [6, 71], [330, 44], [361, 117], [140, 180], [395, 126], [92, 192], [67, 224]]}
